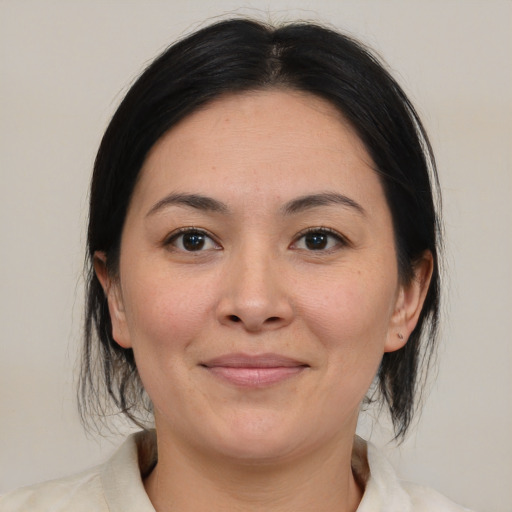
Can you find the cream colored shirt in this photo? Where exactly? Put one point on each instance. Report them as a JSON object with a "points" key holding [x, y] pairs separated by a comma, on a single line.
{"points": [[116, 486]]}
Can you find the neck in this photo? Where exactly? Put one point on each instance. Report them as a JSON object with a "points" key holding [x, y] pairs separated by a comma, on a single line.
{"points": [[189, 480]]}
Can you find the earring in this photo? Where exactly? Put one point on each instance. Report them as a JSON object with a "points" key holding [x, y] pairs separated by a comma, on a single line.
{"points": [[400, 336]]}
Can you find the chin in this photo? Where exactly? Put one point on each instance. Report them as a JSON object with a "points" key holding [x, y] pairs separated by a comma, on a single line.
{"points": [[261, 439], [257, 451]]}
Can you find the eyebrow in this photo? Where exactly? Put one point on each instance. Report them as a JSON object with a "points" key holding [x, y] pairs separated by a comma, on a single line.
{"points": [[205, 203], [323, 199], [196, 201]]}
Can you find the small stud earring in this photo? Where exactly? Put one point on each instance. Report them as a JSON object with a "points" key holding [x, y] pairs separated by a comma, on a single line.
{"points": [[400, 336]]}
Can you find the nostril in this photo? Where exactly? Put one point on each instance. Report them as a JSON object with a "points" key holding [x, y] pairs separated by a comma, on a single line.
{"points": [[271, 319]]}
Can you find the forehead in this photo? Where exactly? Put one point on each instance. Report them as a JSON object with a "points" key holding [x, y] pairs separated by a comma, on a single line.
{"points": [[268, 143]]}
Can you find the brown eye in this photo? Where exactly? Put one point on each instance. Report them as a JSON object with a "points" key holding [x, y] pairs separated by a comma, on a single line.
{"points": [[192, 240], [319, 240], [316, 241]]}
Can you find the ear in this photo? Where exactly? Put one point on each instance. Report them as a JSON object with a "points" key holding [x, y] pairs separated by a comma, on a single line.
{"points": [[409, 303], [112, 289]]}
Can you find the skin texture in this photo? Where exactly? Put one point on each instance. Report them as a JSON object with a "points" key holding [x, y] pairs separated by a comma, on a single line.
{"points": [[330, 303]]}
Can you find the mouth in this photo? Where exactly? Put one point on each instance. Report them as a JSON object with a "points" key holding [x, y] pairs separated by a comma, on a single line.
{"points": [[254, 371]]}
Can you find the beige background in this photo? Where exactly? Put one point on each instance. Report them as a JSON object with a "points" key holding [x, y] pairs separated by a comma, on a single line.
{"points": [[64, 67]]}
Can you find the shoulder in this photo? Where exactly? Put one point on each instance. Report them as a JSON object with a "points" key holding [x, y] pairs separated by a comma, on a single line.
{"points": [[116, 486], [385, 491], [82, 492], [425, 499]]}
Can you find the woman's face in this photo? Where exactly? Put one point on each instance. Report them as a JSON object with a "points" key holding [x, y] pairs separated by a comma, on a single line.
{"points": [[258, 282]]}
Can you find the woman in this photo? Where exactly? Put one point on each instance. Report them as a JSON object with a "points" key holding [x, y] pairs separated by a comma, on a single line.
{"points": [[263, 245]]}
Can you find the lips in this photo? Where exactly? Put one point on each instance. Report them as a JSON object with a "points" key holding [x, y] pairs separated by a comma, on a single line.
{"points": [[254, 371]]}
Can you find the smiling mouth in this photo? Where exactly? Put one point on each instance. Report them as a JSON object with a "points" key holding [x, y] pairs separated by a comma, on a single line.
{"points": [[254, 371]]}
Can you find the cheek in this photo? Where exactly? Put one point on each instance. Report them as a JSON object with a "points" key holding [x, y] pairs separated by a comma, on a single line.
{"points": [[165, 313], [165, 317], [350, 316], [351, 306], [351, 324]]}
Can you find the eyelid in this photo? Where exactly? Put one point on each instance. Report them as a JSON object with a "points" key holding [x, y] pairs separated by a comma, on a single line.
{"points": [[171, 237], [342, 240]]}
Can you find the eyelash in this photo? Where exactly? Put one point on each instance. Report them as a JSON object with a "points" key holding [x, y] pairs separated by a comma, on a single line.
{"points": [[341, 241], [323, 231], [175, 235]]}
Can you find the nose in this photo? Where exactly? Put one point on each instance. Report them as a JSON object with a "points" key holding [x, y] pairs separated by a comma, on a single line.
{"points": [[255, 293]]}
